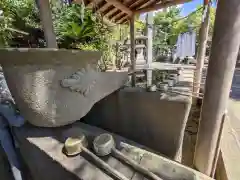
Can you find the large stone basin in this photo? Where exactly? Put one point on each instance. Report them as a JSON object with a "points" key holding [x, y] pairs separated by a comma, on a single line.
{"points": [[56, 87]]}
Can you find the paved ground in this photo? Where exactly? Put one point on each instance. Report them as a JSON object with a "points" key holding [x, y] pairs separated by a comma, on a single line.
{"points": [[234, 103]]}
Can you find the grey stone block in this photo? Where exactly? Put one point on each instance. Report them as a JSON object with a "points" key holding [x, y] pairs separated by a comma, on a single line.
{"points": [[149, 118]]}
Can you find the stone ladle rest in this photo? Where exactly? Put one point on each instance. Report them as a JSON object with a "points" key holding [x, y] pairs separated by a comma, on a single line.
{"points": [[75, 145], [104, 145]]}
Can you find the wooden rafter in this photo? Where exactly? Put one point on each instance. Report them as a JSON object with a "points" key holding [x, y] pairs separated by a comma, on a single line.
{"points": [[147, 3], [103, 7], [120, 17], [124, 18], [114, 14], [120, 6], [121, 10], [160, 6], [108, 9], [137, 3], [126, 3]]}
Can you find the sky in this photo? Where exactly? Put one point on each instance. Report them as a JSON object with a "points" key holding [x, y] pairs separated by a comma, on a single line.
{"points": [[190, 6]]}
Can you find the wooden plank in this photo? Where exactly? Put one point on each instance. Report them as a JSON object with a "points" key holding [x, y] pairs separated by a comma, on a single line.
{"points": [[116, 18], [138, 3], [160, 6], [103, 7], [123, 19], [110, 13], [110, 8], [146, 4], [120, 6], [114, 14]]}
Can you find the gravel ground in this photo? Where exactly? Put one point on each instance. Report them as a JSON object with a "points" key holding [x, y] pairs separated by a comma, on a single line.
{"points": [[190, 136]]}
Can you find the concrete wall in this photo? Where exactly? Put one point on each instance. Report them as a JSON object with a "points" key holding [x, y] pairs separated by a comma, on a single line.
{"points": [[144, 117]]}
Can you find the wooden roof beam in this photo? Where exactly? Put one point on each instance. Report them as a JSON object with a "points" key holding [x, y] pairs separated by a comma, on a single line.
{"points": [[123, 19], [147, 3], [109, 13], [120, 6], [103, 7], [160, 6], [114, 14], [120, 17], [116, 17], [137, 3]]}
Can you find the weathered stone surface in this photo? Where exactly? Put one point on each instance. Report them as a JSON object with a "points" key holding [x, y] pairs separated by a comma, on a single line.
{"points": [[149, 118], [37, 80], [41, 149]]}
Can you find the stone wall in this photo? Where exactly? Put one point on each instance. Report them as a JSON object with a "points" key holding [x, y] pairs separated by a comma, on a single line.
{"points": [[145, 117]]}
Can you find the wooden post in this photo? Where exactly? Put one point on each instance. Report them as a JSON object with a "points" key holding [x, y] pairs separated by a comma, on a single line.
{"points": [[224, 51], [47, 24], [149, 24], [132, 41], [203, 37]]}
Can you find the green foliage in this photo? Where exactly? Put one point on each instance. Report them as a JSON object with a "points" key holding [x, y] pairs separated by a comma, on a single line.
{"points": [[72, 32], [169, 24], [76, 27]]}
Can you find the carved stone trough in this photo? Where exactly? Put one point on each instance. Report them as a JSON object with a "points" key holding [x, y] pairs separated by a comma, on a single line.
{"points": [[56, 87]]}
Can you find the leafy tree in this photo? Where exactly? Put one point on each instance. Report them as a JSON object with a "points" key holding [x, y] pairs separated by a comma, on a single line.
{"points": [[169, 24]]}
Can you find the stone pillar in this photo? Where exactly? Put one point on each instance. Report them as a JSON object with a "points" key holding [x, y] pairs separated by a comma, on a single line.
{"points": [[149, 46], [225, 46], [203, 37], [47, 24], [132, 47]]}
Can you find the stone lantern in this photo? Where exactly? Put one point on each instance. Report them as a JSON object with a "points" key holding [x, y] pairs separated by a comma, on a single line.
{"points": [[140, 41]]}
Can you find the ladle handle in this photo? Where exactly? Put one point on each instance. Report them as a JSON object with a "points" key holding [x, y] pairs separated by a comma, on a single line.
{"points": [[135, 165], [105, 166]]}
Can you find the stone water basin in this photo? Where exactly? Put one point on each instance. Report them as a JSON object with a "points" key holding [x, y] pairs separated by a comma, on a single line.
{"points": [[56, 87], [41, 149]]}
